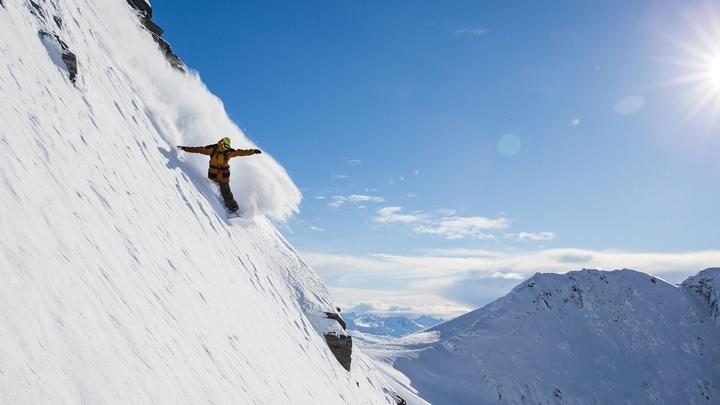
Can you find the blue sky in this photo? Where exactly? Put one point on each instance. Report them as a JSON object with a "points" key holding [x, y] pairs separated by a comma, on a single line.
{"points": [[446, 150]]}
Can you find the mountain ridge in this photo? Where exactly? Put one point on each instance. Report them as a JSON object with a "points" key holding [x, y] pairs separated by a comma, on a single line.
{"points": [[586, 336], [388, 325]]}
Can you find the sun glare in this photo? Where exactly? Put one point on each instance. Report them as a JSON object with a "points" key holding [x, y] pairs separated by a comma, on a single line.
{"points": [[700, 66], [713, 71]]}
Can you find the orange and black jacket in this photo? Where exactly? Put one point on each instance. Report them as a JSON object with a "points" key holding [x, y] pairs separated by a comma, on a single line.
{"points": [[219, 169]]}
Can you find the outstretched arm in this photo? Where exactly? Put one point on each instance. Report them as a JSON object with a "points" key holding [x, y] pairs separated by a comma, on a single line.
{"points": [[197, 149], [244, 152]]}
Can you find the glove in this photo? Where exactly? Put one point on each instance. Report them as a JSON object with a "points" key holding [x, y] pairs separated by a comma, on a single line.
{"points": [[257, 151]]}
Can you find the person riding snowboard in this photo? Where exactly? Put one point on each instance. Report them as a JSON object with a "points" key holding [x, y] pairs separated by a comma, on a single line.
{"points": [[219, 170]]}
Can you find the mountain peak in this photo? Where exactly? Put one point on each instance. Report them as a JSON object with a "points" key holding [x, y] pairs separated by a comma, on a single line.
{"points": [[706, 286], [578, 336]]}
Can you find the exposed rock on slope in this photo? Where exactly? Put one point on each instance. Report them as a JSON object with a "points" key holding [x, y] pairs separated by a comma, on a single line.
{"points": [[341, 347], [50, 34], [144, 11], [706, 285]]}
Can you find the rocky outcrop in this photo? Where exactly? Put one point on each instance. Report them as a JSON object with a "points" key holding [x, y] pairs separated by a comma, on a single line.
{"points": [[341, 348], [68, 57], [397, 398], [706, 286], [58, 50], [144, 12], [335, 316], [340, 344]]}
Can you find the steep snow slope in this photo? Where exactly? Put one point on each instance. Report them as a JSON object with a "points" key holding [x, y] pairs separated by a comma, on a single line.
{"points": [[586, 337], [122, 281]]}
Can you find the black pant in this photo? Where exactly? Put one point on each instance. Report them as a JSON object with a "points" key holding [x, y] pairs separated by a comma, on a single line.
{"points": [[227, 196]]}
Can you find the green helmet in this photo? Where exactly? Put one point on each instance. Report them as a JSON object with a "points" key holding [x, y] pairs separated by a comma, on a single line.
{"points": [[226, 142]]}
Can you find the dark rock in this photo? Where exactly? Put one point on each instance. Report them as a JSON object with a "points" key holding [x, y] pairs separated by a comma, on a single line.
{"points": [[58, 21], [332, 315], [37, 11], [68, 57], [341, 348], [152, 27], [144, 11], [142, 6], [71, 62], [398, 399], [169, 54]]}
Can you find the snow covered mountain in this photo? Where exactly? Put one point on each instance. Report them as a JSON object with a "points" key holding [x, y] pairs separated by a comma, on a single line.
{"points": [[388, 325], [123, 280], [585, 337]]}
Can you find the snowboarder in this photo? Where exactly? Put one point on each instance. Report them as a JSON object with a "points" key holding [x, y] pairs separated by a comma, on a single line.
{"points": [[219, 170]]}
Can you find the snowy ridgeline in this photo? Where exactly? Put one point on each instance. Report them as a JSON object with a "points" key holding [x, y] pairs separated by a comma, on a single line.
{"points": [[122, 280], [388, 325], [585, 337]]}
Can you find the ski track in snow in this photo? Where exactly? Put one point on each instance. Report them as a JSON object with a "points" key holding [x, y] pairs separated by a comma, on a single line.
{"points": [[123, 282]]}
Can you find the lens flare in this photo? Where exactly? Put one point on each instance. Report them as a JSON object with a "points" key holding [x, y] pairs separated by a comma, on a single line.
{"points": [[700, 66], [714, 72]]}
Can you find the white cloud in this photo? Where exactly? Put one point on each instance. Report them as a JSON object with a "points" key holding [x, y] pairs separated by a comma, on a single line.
{"points": [[470, 31], [340, 200], [464, 227], [629, 105], [364, 198], [354, 162], [396, 303], [315, 228], [526, 262], [475, 277], [411, 195], [341, 176], [320, 197], [507, 276], [462, 252], [448, 226], [394, 215], [416, 172], [337, 202], [575, 122], [531, 236]]}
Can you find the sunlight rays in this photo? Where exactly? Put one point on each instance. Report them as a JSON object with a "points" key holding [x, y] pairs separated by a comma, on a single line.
{"points": [[699, 65]]}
